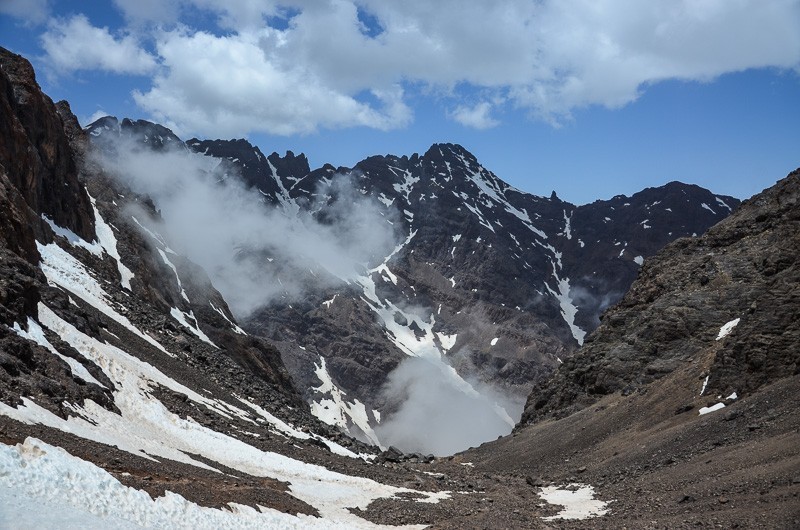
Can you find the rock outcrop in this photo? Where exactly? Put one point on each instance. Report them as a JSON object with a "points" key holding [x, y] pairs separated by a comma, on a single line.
{"points": [[729, 298]]}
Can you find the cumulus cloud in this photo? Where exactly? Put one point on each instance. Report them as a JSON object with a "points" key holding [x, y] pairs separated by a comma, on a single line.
{"points": [[477, 117], [253, 253], [74, 44], [229, 84], [293, 66]]}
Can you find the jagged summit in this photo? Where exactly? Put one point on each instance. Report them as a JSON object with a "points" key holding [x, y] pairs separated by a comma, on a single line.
{"points": [[504, 285]]}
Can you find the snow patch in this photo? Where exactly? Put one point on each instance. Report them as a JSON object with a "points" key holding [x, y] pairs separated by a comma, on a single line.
{"points": [[65, 271], [169, 264], [577, 500], [568, 309], [639, 260], [712, 408], [234, 327], [35, 333], [183, 318], [707, 207], [336, 411], [725, 330]]}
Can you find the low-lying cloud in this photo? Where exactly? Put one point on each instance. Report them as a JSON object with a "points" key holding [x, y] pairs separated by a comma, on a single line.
{"points": [[254, 252], [437, 412]]}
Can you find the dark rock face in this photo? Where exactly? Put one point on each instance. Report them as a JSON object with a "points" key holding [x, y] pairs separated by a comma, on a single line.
{"points": [[36, 162], [743, 272], [45, 171]]}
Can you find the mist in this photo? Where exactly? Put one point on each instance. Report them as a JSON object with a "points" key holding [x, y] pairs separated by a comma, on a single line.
{"points": [[253, 252], [437, 412]]}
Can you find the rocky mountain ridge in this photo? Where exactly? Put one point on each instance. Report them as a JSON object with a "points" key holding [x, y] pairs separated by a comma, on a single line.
{"points": [[497, 283]]}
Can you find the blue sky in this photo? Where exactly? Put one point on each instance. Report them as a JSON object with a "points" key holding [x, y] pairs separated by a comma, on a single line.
{"points": [[590, 98]]}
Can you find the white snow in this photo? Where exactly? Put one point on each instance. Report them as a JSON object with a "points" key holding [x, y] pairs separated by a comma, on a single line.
{"points": [[234, 327], [327, 303], [732, 397], [567, 225], [159, 239], [184, 317], [725, 330], [447, 341], [705, 383], [568, 309], [407, 184], [707, 207], [723, 204], [285, 429], [35, 333], [577, 500], [74, 239], [108, 241], [147, 429], [494, 341], [336, 410], [63, 270], [387, 202], [712, 408], [169, 264], [42, 486], [639, 260]]}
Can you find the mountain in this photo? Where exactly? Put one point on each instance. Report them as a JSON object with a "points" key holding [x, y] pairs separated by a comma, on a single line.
{"points": [[130, 396], [682, 406], [499, 284]]}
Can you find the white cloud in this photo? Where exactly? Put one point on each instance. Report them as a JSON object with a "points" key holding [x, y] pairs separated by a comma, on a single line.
{"points": [[322, 70], [75, 44], [96, 115], [226, 85], [477, 117], [34, 11]]}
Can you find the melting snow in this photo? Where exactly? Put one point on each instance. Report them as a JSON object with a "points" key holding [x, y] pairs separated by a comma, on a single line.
{"points": [[567, 225], [183, 318], [712, 408], [707, 207], [175, 270], [577, 500], [639, 260], [327, 303], [107, 240], [63, 270], [725, 330], [234, 327], [147, 429], [568, 309], [705, 383], [36, 334], [723, 204], [336, 411]]}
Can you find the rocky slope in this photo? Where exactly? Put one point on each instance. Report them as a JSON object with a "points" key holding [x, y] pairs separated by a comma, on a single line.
{"points": [[499, 284], [682, 406], [727, 299]]}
